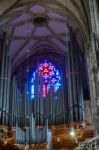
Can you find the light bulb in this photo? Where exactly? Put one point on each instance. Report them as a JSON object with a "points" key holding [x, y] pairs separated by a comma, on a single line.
{"points": [[72, 133]]}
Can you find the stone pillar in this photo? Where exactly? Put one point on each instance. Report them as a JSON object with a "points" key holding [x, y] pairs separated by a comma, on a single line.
{"points": [[94, 16], [92, 71], [88, 112]]}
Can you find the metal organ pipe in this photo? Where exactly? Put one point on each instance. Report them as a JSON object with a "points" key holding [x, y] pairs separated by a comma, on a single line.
{"points": [[5, 87], [2, 77], [75, 83], [33, 134], [14, 112], [4, 80], [69, 86], [7, 95]]}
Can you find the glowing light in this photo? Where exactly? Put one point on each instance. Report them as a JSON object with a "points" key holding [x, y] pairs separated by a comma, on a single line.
{"points": [[5, 142], [50, 75], [58, 139], [76, 141], [72, 133], [57, 73], [34, 74]]}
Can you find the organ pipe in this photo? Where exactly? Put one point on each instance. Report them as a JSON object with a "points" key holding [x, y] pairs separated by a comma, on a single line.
{"points": [[75, 83], [2, 75], [32, 134], [4, 82]]}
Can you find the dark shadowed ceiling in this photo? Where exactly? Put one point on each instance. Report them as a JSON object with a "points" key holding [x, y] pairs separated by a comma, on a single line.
{"points": [[48, 24]]}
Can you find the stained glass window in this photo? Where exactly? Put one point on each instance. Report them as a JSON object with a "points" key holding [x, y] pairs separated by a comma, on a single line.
{"points": [[50, 75]]}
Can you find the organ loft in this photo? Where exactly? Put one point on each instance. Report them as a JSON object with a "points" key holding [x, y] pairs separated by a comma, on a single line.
{"points": [[49, 75]]}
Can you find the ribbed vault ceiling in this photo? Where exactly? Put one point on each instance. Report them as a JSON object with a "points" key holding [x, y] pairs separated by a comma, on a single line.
{"points": [[51, 36]]}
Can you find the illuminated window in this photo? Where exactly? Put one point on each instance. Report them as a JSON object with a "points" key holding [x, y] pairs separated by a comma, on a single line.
{"points": [[50, 77]]}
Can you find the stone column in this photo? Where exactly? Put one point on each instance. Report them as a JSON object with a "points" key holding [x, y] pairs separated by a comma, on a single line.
{"points": [[92, 71], [94, 16], [88, 112]]}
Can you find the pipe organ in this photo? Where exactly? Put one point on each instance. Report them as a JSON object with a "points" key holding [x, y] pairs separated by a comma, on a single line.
{"points": [[57, 95], [61, 105], [66, 104], [32, 134]]}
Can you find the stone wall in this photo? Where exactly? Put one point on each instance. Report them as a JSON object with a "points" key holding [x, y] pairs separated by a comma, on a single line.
{"points": [[92, 52]]}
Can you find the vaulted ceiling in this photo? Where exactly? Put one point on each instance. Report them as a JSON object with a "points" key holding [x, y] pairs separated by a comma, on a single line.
{"points": [[42, 25]]}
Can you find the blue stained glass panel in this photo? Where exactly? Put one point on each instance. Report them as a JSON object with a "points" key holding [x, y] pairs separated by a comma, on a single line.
{"points": [[50, 75]]}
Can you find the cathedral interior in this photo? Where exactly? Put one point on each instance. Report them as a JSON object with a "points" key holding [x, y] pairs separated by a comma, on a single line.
{"points": [[49, 74]]}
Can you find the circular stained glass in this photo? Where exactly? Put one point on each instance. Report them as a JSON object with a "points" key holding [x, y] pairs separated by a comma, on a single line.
{"points": [[50, 75]]}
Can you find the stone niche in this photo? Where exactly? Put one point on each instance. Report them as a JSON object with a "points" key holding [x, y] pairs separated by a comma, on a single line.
{"points": [[97, 56]]}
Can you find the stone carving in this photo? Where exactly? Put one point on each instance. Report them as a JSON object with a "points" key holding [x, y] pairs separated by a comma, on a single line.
{"points": [[87, 112], [91, 144]]}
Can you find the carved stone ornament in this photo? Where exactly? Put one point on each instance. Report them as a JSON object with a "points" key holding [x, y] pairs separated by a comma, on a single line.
{"points": [[98, 105]]}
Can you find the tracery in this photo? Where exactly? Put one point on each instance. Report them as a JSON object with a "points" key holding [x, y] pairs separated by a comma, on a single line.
{"points": [[50, 75]]}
